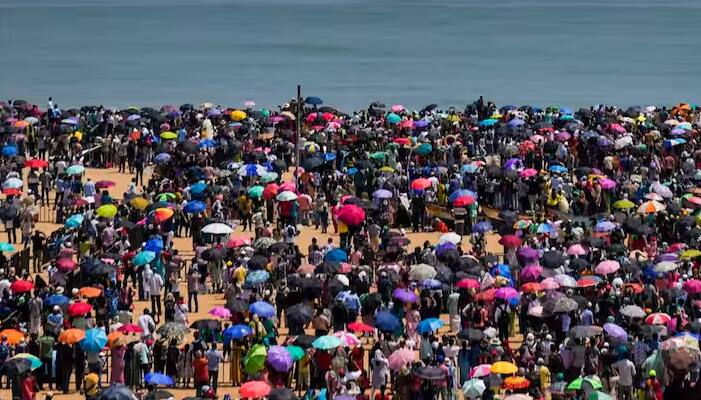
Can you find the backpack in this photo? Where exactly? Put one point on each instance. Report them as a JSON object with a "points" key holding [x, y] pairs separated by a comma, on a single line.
{"points": [[4, 352]]}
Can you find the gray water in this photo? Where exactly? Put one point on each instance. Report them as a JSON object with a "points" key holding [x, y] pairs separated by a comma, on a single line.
{"points": [[351, 52]]}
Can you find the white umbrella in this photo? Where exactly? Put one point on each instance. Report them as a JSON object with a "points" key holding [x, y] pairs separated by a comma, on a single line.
{"points": [[286, 196], [12, 183], [217, 229], [665, 266], [565, 281], [474, 388], [343, 279], [450, 237], [420, 272]]}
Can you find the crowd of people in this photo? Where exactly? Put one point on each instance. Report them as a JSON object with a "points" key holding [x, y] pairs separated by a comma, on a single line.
{"points": [[592, 292]]}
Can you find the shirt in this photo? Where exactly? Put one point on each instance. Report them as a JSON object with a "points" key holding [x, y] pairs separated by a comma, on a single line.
{"points": [[626, 372], [214, 358], [146, 324]]}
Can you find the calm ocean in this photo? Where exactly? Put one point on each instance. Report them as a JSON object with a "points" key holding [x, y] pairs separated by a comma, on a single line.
{"points": [[351, 52]]}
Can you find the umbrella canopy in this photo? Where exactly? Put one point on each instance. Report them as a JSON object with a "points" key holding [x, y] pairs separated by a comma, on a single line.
{"points": [[503, 367], [157, 378], [217, 229], [255, 389], [280, 358], [327, 342], [95, 340], [429, 325], [117, 392], [473, 388]]}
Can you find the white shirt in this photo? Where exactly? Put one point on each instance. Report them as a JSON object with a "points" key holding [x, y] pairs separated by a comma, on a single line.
{"points": [[626, 371], [155, 284], [147, 324]]}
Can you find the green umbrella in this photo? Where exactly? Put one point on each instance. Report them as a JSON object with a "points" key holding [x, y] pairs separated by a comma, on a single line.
{"points": [[592, 380], [167, 135], [255, 191], [255, 359], [268, 177], [4, 246], [165, 197], [296, 352], [143, 258], [106, 211], [393, 118], [378, 155], [424, 148], [75, 170], [598, 395]]}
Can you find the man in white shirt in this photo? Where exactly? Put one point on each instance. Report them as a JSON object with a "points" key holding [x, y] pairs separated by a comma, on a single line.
{"points": [[626, 373], [146, 323], [155, 286]]}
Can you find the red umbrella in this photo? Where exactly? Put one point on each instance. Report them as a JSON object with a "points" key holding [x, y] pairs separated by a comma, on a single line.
{"points": [[254, 389], [510, 241], [104, 184], [79, 309], [271, 190], [463, 201], [402, 141], [468, 283], [420, 184], [586, 282], [531, 287], [11, 191], [360, 327], [287, 186], [65, 264], [236, 242], [130, 328], [351, 215], [21, 286], [487, 295], [36, 163]]}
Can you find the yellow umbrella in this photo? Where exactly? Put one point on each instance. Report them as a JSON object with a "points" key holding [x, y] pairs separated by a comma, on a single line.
{"points": [[107, 211], [387, 169], [691, 253], [139, 203], [168, 135], [78, 135], [623, 204], [238, 115], [503, 367]]}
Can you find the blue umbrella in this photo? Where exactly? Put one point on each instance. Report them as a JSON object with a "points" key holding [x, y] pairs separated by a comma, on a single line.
{"points": [[94, 341], [604, 226], [155, 245], [313, 100], [566, 110], [557, 169], [237, 332], [352, 171], [431, 284], [386, 321], [198, 188], [502, 270], [257, 278], [329, 156], [9, 151], [444, 248], [56, 300], [460, 193], [422, 123], [195, 206], [162, 158], [469, 168], [74, 221], [516, 122], [488, 122], [482, 227], [252, 170], [262, 309], [382, 194], [429, 325], [336, 255], [205, 144], [143, 258], [424, 148], [157, 378]]}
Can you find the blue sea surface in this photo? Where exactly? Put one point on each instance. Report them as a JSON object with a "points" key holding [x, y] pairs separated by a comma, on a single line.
{"points": [[351, 52]]}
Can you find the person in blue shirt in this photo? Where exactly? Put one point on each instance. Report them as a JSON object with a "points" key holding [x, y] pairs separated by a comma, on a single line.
{"points": [[89, 188]]}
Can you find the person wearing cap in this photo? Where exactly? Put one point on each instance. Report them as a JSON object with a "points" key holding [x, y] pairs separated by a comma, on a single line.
{"points": [[54, 322], [653, 387]]}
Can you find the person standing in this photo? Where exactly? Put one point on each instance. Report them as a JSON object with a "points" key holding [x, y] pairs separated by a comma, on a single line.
{"points": [[200, 367], [155, 287], [37, 250], [193, 285], [214, 358]]}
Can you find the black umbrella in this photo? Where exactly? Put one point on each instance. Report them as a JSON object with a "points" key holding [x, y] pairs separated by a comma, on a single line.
{"points": [[279, 165], [579, 264], [471, 334], [582, 331], [328, 268], [206, 324], [552, 259], [257, 262], [449, 256], [117, 392], [17, 366], [444, 274], [282, 394], [236, 305], [279, 247], [8, 212], [430, 373], [159, 395], [189, 147], [304, 341], [214, 254], [312, 163], [371, 302], [560, 305], [299, 314]]}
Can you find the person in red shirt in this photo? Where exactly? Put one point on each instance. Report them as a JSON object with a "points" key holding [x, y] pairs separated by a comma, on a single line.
{"points": [[199, 366], [653, 387], [28, 386]]}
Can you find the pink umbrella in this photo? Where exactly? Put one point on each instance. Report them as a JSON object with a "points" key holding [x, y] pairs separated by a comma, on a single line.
{"points": [[617, 128], [397, 108], [531, 273], [221, 312], [306, 269], [506, 293], [406, 124], [692, 286], [607, 184], [480, 371], [400, 358], [249, 103], [576, 250], [607, 267], [351, 215], [549, 284], [311, 118], [563, 136], [287, 186], [657, 319], [348, 339], [528, 172], [468, 283]]}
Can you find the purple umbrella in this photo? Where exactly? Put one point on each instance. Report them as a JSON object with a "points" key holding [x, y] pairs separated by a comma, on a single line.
{"points": [[422, 123], [667, 257], [280, 358], [444, 247], [506, 293], [134, 117], [563, 136], [516, 122], [512, 163], [528, 253], [604, 141], [605, 226], [382, 194], [431, 284], [532, 273], [678, 131], [615, 331], [405, 295]]}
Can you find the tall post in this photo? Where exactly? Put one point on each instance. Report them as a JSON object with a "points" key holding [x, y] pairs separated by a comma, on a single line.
{"points": [[298, 132]]}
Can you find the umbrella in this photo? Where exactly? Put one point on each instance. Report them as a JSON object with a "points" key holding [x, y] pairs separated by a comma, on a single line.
{"points": [[56, 300], [592, 380], [326, 342], [473, 388], [75, 170], [430, 373], [420, 272], [117, 392], [217, 229], [382, 194], [257, 278], [400, 358], [585, 331], [615, 331], [516, 382], [143, 258], [172, 330], [471, 334], [607, 267], [632, 311], [510, 241], [206, 324], [71, 336], [262, 309], [74, 221], [21, 286], [79, 309], [506, 293], [386, 321], [194, 207], [429, 325], [17, 366], [280, 358], [482, 227], [95, 340], [561, 305], [35, 362], [552, 259], [405, 295], [336, 255], [282, 393], [157, 378], [658, 319], [450, 237], [286, 196], [680, 352], [254, 389], [220, 311], [299, 314], [651, 207], [503, 367], [13, 336], [351, 215], [237, 332]]}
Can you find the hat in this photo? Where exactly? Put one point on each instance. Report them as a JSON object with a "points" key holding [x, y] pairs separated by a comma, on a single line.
{"points": [[652, 373]]}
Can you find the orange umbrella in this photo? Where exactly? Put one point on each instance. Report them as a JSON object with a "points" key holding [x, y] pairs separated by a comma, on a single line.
{"points": [[21, 124], [13, 335], [71, 336], [90, 292], [162, 214], [116, 339], [531, 287], [516, 382]]}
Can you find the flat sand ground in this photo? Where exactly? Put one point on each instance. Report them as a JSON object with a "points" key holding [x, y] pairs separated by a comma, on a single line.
{"points": [[208, 301]]}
